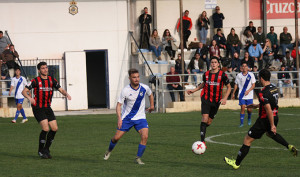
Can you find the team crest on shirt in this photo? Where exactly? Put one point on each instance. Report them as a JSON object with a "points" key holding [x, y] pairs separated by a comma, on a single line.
{"points": [[40, 83], [141, 94], [219, 77]]}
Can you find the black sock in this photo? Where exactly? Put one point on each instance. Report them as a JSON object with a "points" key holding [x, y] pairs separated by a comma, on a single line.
{"points": [[50, 138], [279, 139], [242, 154], [203, 126], [42, 140]]}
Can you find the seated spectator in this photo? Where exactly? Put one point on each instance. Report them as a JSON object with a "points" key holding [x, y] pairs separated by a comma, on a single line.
{"points": [[214, 50], [233, 42], [196, 66], [174, 84], [284, 80], [4, 42], [268, 55], [273, 38], [231, 77], [178, 68], [247, 59], [220, 39], [9, 57], [155, 44], [236, 62], [169, 44], [203, 51], [251, 28], [288, 61], [256, 52], [285, 41], [247, 39], [260, 36]]}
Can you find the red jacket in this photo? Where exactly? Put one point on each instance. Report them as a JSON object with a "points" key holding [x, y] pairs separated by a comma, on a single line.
{"points": [[185, 18], [171, 79]]}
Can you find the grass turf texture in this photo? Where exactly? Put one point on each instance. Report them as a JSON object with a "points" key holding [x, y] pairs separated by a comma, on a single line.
{"points": [[82, 140]]}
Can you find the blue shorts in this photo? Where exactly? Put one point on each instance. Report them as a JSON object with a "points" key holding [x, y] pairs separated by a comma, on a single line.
{"points": [[138, 124], [19, 101], [246, 102]]}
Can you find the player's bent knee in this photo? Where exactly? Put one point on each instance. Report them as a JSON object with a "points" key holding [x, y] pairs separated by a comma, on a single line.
{"points": [[54, 129], [46, 129]]}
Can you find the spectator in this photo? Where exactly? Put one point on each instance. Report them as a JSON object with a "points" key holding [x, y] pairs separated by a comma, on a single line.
{"points": [[203, 51], [203, 23], [260, 36], [268, 55], [155, 44], [258, 85], [4, 42], [169, 44], [214, 50], [220, 39], [256, 52], [236, 62], [145, 19], [195, 66], [174, 84], [284, 80], [247, 59], [273, 38], [218, 18], [178, 68], [285, 41], [9, 57], [187, 25], [251, 28], [231, 77], [247, 39], [233, 42], [288, 61]]}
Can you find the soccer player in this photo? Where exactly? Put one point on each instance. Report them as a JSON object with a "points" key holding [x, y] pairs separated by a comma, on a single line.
{"points": [[266, 122], [133, 114], [246, 83], [211, 95], [18, 82], [44, 86]]}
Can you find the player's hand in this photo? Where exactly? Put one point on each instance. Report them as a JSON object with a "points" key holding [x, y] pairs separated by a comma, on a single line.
{"points": [[247, 92], [119, 123], [69, 97], [32, 101], [189, 92], [253, 106], [223, 101], [232, 97], [273, 129], [150, 109], [9, 93]]}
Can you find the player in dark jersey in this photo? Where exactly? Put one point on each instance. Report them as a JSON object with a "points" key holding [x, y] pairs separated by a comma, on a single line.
{"points": [[211, 95], [44, 86], [266, 122]]}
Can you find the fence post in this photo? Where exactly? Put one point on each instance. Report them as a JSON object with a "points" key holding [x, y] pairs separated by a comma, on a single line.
{"points": [[163, 93], [156, 93]]}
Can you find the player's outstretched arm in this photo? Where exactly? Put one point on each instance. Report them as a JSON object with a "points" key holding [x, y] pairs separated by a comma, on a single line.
{"points": [[118, 111], [223, 100], [151, 99], [196, 89], [28, 96], [65, 93], [253, 106]]}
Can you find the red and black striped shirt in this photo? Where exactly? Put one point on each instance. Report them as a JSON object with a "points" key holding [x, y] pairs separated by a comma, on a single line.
{"points": [[213, 85], [43, 91], [268, 95]]}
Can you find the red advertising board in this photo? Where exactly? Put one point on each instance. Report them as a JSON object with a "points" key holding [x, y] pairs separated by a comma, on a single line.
{"points": [[276, 9]]}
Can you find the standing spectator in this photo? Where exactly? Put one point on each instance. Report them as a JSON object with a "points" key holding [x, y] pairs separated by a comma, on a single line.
{"points": [[168, 44], [285, 41], [233, 42], [236, 62], [196, 66], [268, 55], [231, 77], [10, 56], [4, 42], [174, 84], [203, 51], [260, 36], [256, 52], [178, 68], [214, 50], [203, 23], [284, 80], [187, 25], [247, 59], [220, 39], [273, 38], [218, 18], [251, 28], [145, 19], [155, 44], [247, 39]]}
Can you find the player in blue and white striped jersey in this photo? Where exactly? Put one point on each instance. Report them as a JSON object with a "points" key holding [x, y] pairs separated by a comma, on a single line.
{"points": [[245, 81], [133, 113]]}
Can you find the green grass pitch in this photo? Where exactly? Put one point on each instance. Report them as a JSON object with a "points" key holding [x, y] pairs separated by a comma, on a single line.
{"points": [[82, 140]]}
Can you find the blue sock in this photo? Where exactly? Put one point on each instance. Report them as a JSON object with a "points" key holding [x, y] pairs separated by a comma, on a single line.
{"points": [[23, 113], [249, 115], [111, 146], [141, 150], [17, 114], [242, 116]]}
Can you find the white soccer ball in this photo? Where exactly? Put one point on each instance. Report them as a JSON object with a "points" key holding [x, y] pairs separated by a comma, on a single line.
{"points": [[198, 147]]}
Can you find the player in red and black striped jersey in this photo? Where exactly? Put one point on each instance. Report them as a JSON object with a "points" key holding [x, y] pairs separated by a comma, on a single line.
{"points": [[266, 122], [44, 86], [211, 95]]}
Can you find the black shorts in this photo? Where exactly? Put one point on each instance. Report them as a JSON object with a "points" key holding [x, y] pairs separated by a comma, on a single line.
{"points": [[209, 108], [43, 113], [260, 127]]}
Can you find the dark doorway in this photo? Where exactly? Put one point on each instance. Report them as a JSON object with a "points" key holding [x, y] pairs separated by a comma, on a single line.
{"points": [[97, 78]]}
